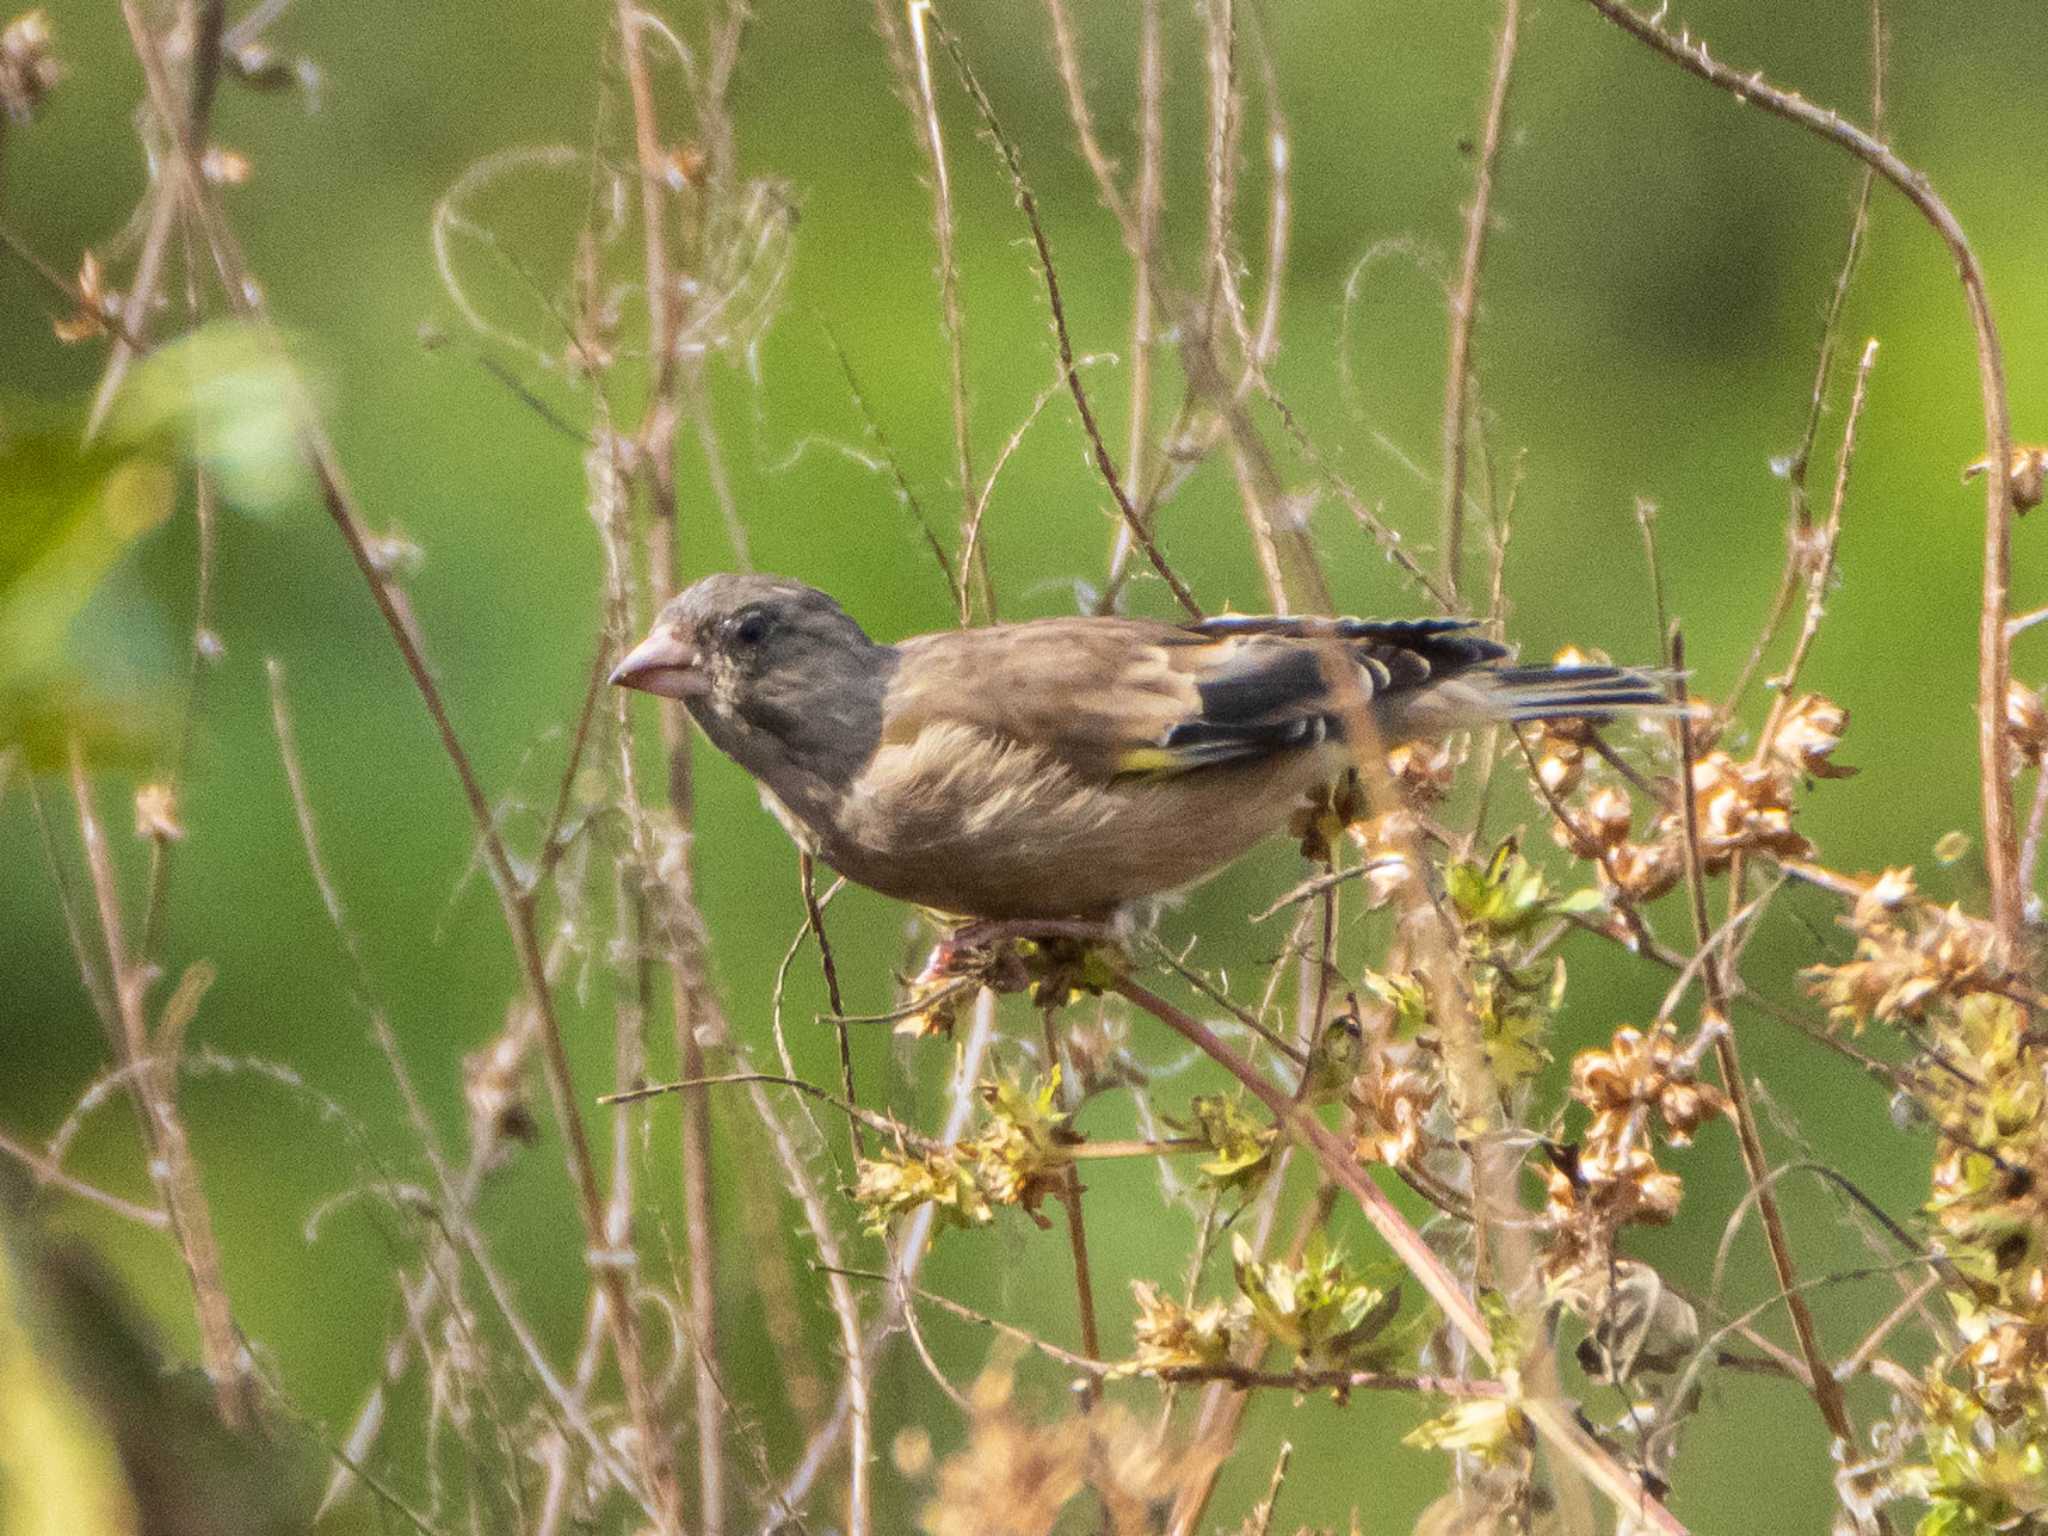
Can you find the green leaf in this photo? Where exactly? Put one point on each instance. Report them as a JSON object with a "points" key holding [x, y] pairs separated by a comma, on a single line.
{"points": [[1242, 1146], [42, 716], [1486, 1427], [222, 395], [226, 395], [67, 515], [1581, 903]]}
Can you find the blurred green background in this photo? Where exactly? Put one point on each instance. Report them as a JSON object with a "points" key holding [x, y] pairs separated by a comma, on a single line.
{"points": [[1652, 302]]}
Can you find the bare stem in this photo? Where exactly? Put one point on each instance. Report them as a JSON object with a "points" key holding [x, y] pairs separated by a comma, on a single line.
{"points": [[1140, 533], [1827, 1391], [171, 1164], [1554, 1419], [815, 916], [245, 297], [1070, 1197], [1994, 747], [974, 571], [49, 1172], [1464, 315]]}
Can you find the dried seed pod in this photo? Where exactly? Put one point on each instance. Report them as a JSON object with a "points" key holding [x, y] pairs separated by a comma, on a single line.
{"points": [[2026, 473], [1744, 808], [1645, 871], [1423, 770], [29, 70], [1608, 816], [156, 814], [2026, 722], [96, 304], [1806, 738], [1560, 766]]}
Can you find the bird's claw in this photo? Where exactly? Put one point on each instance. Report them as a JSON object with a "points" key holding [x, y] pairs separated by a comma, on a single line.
{"points": [[1009, 955]]}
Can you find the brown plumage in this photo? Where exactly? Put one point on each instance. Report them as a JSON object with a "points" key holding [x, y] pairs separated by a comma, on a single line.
{"points": [[1064, 767]]}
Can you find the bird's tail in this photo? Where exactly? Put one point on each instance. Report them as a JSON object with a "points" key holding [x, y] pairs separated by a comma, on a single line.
{"points": [[1554, 693]]}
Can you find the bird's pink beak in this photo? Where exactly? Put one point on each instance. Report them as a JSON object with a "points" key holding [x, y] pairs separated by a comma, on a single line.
{"points": [[663, 663]]}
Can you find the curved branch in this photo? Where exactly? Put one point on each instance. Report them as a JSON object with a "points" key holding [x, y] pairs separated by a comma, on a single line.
{"points": [[2001, 839]]}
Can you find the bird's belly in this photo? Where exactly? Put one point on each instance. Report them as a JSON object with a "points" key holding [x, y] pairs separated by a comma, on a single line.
{"points": [[989, 829]]}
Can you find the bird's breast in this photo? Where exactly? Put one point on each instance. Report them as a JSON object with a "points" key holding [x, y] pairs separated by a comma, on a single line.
{"points": [[968, 822]]}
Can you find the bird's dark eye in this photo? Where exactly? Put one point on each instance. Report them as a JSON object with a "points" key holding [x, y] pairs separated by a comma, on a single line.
{"points": [[751, 627]]}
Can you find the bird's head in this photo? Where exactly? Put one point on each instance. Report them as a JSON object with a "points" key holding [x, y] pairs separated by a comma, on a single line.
{"points": [[771, 668]]}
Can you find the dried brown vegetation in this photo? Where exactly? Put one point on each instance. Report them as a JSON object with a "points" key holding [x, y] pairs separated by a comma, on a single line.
{"points": [[1396, 1063]]}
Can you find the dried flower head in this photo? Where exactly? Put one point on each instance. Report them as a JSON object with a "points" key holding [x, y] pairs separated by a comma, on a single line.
{"points": [[224, 167], [1645, 871], [1608, 817], [2026, 473], [29, 70], [1168, 1336], [97, 305], [1639, 1072], [1390, 1100], [1901, 970], [1387, 845], [1806, 738], [2026, 722], [1015, 1477], [1744, 808], [1325, 815], [156, 814], [1423, 771], [1560, 766], [895, 1182], [1588, 1198]]}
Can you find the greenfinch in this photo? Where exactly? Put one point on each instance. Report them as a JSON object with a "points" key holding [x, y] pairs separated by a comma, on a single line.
{"points": [[1063, 768]]}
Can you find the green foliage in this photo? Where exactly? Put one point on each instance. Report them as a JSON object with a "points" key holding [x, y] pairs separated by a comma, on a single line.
{"points": [[70, 508], [1984, 1473], [1504, 897], [1240, 1145], [1321, 1308], [1491, 1428], [1017, 1157]]}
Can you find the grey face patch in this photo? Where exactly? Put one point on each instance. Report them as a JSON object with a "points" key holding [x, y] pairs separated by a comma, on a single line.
{"points": [[796, 685]]}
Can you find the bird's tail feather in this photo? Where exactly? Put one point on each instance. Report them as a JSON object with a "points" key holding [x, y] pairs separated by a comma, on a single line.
{"points": [[1551, 693]]}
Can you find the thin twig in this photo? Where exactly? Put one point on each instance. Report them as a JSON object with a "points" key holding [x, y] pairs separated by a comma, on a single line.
{"points": [[1827, 1391], [1464, 299], [873, 427], [1070, 1197], [815, 916], [1029, 206], [1554, 1419], [171, 1164], [850, 1415], [49, 1172], [2001, 838], [1821, 571], [245, 296], [1799, 515], [945, 230]]}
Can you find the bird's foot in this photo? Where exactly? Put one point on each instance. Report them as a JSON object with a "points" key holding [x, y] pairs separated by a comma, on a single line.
{"points": [[1050, 957]]}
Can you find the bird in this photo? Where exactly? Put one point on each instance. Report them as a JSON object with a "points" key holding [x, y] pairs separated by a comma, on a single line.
{"points": [[1066, 769]]}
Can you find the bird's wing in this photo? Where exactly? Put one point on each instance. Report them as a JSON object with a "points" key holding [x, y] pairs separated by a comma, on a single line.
{"points": [[1112, 697]]}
